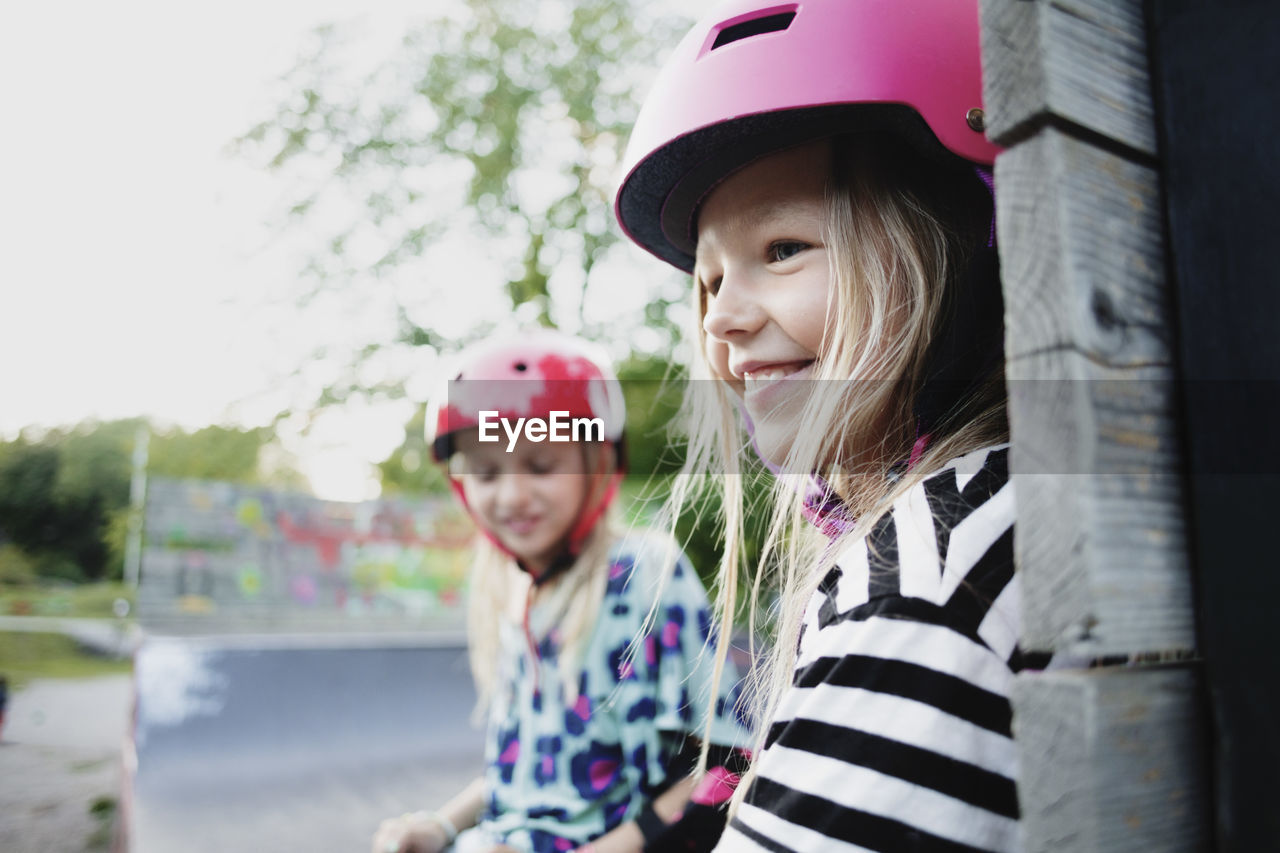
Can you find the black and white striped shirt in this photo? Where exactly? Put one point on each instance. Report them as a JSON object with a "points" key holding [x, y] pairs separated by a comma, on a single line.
{"points": [[895, 734]]}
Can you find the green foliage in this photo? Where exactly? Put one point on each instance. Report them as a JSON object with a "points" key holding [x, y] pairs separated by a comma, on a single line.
{"points": [[409, 469], [211, 453], [64, 494], [27, 476], [700, 525], [16, 568], [115, 535], [652, 387], [497, 123], [88, 600], [28, 655], [97, 600], [53, 501], [502, 121], [60, 566]]}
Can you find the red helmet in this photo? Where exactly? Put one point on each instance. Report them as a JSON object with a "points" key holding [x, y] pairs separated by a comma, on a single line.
{"points": [[756, 76], [532, 374], [527, 375]]}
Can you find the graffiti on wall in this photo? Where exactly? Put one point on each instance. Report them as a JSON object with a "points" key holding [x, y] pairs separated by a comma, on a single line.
{"points": [[244, 550]]}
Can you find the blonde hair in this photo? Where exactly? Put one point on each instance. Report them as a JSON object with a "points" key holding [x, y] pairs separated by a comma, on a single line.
{"points": [[899, 232], [572, 598]]}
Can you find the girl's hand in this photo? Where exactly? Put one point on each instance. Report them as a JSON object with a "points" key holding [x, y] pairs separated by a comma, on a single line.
{"points": [[410, 833], [424, 832], [502, 848]]}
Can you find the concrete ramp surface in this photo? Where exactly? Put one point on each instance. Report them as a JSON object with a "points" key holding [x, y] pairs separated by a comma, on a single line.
{"points": [[293, 744]]}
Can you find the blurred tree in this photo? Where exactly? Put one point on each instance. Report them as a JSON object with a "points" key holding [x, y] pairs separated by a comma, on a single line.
{"points": [[479, 159], [16, 568], [479, 155], [57, 493], [409, 469], [652, 387], [210, 453], [64, 494], [31, 516]]}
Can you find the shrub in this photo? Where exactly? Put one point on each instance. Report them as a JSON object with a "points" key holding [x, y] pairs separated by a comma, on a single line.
{"points": [[16, 568]]}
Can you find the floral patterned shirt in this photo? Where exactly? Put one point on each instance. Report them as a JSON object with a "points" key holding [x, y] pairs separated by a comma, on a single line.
{"points": [[559, 772]]}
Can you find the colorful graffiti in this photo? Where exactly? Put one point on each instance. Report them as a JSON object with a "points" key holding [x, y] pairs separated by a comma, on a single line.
{"points": [[253, 552]]}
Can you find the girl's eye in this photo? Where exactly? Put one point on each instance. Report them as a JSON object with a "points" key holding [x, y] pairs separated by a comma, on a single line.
{"points": [[711, 286], [785, 250], [541, 466]]}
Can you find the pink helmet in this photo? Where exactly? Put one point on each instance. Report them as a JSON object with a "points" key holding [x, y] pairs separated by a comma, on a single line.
{"points": [[756, 76], [532, 374]]}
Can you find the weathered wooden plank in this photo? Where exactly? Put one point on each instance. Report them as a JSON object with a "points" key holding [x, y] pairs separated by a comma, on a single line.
{"points": [[1101, 539], [1081, 252], [1101, 544], [1084, 61], [1112, 760]]}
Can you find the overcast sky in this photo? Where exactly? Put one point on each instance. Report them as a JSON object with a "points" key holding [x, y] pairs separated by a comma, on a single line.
{"points": [[130, 243], [134, 250]]}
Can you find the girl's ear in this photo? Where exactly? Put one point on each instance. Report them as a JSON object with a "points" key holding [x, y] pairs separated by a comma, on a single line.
{"points": [[606, 462], [596, 458]]}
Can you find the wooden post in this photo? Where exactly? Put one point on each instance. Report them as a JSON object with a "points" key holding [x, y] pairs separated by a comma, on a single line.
{"points": [[1101, 541], [1112, 756], [1082, 62], [1093, 775]]}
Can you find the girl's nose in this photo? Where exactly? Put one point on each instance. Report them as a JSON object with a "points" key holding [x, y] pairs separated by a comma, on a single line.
{"points": [[512, 491], [732, 312]]}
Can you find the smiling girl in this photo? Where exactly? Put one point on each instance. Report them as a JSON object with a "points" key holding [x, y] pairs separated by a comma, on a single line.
{"points": [[592, 704], [819, 168]]}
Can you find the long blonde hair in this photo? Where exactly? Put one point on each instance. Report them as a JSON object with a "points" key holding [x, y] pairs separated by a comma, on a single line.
{"points": [[572, 598], [899, 232]]}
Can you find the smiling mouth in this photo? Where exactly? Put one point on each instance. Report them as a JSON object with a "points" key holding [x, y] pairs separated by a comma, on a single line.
{"points": [[757, 381], [520, 526]]}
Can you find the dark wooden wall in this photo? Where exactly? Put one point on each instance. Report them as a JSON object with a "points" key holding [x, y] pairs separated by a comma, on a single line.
{"points": [[1216, 81]]}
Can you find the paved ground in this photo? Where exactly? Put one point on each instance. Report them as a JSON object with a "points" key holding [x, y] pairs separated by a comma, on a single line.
{"points": [[293, 744], [59, 753], [250, 743]]}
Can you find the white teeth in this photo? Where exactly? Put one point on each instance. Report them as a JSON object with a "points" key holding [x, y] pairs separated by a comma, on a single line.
{"points": [[755, 380], [763, 377]]}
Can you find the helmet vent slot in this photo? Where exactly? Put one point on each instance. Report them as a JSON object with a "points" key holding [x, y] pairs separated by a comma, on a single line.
{"points": [[754, 27]]}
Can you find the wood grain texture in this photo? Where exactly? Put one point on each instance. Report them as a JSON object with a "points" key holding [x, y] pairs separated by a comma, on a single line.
{"points": [[1082, 61], [1112, 760], [1101, 537], [1081, 253]]}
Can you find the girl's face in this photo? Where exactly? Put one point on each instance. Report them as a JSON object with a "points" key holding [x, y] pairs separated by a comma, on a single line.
{"points": [[528, 498], [762, 265]]}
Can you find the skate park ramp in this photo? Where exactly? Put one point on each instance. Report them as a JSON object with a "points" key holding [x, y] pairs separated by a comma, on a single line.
{"points": [[292, 743]]}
